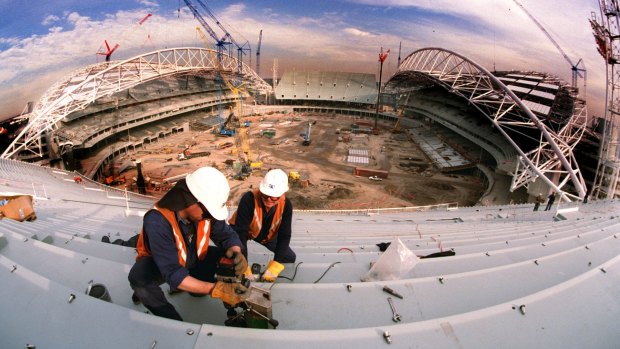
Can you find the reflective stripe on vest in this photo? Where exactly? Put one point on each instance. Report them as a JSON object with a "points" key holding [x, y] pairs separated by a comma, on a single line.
{"points": [[257, 219], [203, 233]]}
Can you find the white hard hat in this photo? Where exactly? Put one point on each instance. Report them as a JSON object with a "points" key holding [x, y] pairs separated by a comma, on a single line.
{"points": [[211, 188], [275, 183]]}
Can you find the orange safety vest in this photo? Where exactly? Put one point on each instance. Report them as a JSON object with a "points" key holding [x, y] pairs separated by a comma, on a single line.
{"points": [[257, 221], [202, 242]]}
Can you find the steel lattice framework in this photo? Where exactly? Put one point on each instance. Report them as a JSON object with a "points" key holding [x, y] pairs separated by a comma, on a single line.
{"points": [[607, 37], [552, 161], [86, 85]]}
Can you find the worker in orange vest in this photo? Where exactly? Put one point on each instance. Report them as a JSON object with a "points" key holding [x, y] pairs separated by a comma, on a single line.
{"points": [[173, 246], [265, 215]]}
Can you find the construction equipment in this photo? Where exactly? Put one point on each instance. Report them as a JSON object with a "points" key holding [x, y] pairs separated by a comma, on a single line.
{"points": [[607, 38], [219, 79], [306, 136], [256, 309], [293, 176], [225, 272], [397, 127], [401, 112], [187, 154], [243, 146], [226, 39], [382, 58], [109, 51], [260, 39], [576, 70], [269, 133], [224, 129]]}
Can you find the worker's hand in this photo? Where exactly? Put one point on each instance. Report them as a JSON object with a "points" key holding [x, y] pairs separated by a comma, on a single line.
{"points": [[241, 264], [230, 293], [248, 274], [273, 270]]}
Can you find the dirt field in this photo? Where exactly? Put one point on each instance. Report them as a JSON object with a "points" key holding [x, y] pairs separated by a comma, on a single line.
{"points": [[332, 184]]}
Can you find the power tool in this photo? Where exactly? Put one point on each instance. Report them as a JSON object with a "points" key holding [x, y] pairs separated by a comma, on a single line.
{"points": [[256, 309], [225, 272]]}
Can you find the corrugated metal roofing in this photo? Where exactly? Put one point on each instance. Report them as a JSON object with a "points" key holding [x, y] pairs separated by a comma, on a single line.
{"points": [[551, 86], [519, 88], [518, 279], [542, 94], [537, 107]]}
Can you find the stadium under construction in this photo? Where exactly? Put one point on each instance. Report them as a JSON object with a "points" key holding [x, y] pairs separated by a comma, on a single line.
{"points": [[502, 274]]}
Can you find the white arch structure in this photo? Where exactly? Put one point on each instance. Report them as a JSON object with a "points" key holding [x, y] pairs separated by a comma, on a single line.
{"points": [[461, 76], [86, 85]]}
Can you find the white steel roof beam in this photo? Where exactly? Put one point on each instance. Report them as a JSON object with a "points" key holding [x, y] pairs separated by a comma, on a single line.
{"points": [[85, 85], [468, 79]]}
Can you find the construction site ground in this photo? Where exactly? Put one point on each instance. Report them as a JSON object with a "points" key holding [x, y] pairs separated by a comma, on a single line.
{"points": [[331, 183]]}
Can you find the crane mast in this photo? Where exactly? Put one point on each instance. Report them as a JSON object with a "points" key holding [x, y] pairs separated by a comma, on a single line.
{"points": [[607, 37], [575, 68], [260, 39], [230, 38], [226, 39]]}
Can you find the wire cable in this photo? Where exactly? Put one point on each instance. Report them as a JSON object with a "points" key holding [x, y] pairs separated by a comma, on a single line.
{"points": [[328, 268], [294, 273]]}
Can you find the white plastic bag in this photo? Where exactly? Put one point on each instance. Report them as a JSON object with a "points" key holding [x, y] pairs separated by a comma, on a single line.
{"points": [[394, 263]]}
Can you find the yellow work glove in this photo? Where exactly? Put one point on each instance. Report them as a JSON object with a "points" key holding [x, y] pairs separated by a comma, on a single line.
{"points": [[273, 270], [230, 293], [241, 264], [248, 274]]}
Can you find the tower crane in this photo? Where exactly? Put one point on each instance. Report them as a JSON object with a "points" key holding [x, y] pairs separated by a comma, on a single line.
{"points": [[219, 43], [607, 38], [260, 39], [226, 39], [575, 68], [109, 51]]}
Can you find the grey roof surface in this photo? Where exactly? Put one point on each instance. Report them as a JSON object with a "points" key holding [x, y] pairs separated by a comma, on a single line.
{"points": [[518, 279], [328, 86]]}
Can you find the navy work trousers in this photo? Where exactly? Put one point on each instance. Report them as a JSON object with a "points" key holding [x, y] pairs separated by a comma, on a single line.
{"points": [[288, 256], [145, 279]]}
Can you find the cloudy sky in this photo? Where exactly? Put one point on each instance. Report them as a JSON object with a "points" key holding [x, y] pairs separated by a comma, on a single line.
{"points": [[41, 41]]}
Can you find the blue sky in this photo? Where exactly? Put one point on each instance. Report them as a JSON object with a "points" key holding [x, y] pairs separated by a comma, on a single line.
{"points": [[42, 41]]}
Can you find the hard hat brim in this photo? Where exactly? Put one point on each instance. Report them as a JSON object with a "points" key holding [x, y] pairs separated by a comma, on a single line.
{"points": [[220, 213], [202, 183]]}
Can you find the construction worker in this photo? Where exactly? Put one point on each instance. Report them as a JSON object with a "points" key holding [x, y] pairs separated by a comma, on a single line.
{"points": [[551, 200], [539, 200], [173, 246], [264, 215]]}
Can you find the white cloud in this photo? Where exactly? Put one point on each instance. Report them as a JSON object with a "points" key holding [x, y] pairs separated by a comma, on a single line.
{"points": [[76, 19], [50, 19], [9, 41], [148, 3], [357, 32], [504, 37], [55, 29], [234, 9]]}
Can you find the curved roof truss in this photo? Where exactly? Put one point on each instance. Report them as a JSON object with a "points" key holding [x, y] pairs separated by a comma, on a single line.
{"points": [[552, 161], [86, 85]]}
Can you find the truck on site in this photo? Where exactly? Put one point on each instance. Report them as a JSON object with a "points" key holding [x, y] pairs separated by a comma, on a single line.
{"points": [[187, 154]]}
